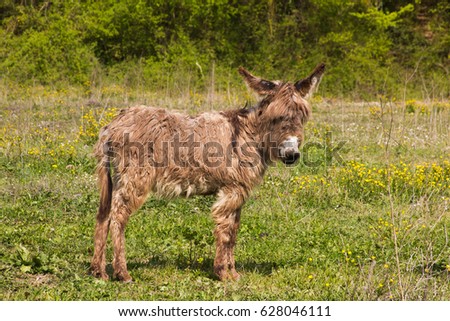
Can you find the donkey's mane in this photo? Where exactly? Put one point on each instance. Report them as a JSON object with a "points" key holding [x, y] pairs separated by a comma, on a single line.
{"points": [[233, 118]]}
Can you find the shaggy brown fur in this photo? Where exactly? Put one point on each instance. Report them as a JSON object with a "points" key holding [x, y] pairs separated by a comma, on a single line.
{"points": [[170, 154]]}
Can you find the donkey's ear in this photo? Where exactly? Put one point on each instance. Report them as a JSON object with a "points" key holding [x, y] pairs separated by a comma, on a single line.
{"points": [[307, 85], [261, 86]]}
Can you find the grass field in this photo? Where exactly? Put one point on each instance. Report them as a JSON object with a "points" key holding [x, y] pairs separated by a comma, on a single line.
{"points": [[364, 216]]}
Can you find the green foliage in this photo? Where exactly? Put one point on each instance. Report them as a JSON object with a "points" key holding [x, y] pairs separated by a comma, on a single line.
{"points": [[30, 263], [370, 48], [44, 47]]}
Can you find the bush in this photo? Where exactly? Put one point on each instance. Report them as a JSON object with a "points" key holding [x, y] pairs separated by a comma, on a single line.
{"points": [[370, 49], [48, 56]]}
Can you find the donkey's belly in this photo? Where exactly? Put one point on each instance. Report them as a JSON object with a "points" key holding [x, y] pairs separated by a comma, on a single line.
{"points": [[184, 185]]}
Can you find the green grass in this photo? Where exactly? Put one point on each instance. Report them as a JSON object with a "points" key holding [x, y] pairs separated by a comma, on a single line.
{"points": [[372, 227]]}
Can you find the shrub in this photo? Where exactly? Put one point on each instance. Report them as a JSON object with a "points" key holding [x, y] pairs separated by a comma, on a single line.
{"points": [[48, 56]]}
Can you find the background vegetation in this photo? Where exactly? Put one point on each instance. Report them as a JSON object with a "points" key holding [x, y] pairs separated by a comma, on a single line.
{"points": [[364, 215], [371, 47]]}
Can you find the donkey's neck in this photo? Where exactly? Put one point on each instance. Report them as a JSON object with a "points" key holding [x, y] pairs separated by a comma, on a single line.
{"points": [[244, 124]]}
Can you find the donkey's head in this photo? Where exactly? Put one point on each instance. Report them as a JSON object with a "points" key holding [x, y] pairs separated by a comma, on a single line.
{"points": [[282, 113]]}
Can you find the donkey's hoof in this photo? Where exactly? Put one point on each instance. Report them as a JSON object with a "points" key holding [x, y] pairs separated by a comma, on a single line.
{"points": [[235, 276], [125, 278], [104, 277], [99, 275], [228, 275]]}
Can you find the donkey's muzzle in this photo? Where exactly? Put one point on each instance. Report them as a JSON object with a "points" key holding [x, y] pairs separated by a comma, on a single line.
{"points": [[290, 158], [288, 151]]}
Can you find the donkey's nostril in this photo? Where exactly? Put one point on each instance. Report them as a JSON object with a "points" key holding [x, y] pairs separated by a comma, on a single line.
{"points": [[291, 158], [295, 156]]}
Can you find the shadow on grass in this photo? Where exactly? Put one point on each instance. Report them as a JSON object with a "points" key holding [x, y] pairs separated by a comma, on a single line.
{"points": [[205, 268]]}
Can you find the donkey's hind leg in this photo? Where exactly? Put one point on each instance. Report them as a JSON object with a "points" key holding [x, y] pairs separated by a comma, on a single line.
{"points": [[120, 213], [126, 200], [226, 213], [98, 264]]}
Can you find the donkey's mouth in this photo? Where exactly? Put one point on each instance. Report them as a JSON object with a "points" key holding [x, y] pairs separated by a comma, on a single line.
{"points": [[290, 159]]}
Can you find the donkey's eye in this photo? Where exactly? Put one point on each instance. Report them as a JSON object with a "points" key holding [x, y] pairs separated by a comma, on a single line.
{"points": [[278, 120], [267, 85]]}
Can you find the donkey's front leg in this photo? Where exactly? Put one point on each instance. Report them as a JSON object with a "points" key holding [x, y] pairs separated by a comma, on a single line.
{"points": [[226, 212]]}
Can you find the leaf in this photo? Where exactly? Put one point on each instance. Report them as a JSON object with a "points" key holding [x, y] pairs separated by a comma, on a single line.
{"points": [[23, 254], [25, 268]]}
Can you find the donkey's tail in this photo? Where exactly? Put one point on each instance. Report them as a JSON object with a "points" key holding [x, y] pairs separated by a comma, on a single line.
{"points": [[106, 185], [102, 151]]}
